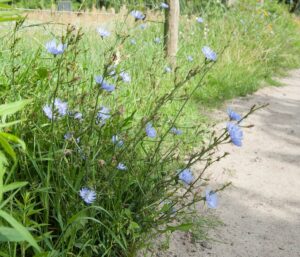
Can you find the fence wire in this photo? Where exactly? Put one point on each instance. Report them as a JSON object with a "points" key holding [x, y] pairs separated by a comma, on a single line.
{"points": [[186, 6]]}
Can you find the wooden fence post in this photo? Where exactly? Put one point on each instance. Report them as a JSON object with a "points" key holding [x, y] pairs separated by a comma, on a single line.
{"points": [[171, 31], [231, 2]]}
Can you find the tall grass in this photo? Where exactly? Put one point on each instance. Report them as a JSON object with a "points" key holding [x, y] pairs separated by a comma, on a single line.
{"points": [[264, 42]]}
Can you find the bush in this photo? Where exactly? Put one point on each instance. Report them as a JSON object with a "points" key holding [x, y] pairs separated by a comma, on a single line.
{"points": [[101, 178]]}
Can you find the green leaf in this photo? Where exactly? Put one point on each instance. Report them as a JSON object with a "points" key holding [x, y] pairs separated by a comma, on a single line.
{"points": [[133, 226], [42, 73], [11, 108], [183, 227], [8, 124], [8, 199], [81, 214], [52, 253], [129, 119], [8, 13], [7, 148], [8, 234], [14, 139], [13, 186], [4, 1], [20, 229], [166, 207], [4, 6], [3, 254], [3, 159]]}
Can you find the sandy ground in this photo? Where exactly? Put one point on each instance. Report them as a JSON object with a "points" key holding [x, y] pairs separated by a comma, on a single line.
{"points": [[261, 211]]}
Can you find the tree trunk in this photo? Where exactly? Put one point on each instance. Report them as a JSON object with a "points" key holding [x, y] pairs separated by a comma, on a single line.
{"points": [[171, 31]]}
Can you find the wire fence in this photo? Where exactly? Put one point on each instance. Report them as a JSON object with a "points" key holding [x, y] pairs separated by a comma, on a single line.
{"points": [[88, 19], [186, 6], [55, 11]]}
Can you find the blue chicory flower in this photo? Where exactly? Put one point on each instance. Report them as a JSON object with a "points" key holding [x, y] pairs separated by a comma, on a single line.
{"points": [[107, 87], [103, 115], [132, 41], [99, 79], [157, 40], [120, 143], [168, 69], [190, 58], [235, 133], [87, 195], [78, 116], [211, 199], [104, 85], [150, 131], [125, 77], [54, 49], [62, 107], [112, 73], [112, 70], [81, 153], [164, 6], [103, 32], [176, 131], [186, 176], [143, 26], [121, 166], [210, 55], [115, 140], [68, 136], [200, 20], [233, 115], [137, 15], [48, 112]]}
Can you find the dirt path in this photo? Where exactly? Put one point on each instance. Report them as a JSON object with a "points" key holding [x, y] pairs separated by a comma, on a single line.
{"points": [[261, 211]]}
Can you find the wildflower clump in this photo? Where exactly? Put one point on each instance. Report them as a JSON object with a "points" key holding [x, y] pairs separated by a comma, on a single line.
{"points": [[110, 147]]}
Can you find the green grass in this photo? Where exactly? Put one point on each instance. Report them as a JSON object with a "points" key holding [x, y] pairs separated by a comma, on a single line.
{"points": [[254, 44], [263, 45]]}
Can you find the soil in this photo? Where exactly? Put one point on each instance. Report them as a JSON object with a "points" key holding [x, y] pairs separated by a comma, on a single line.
{"points": [[261, 210]]}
